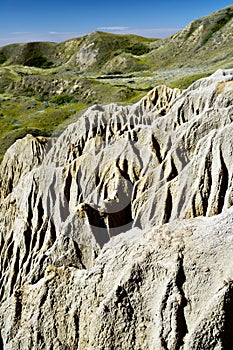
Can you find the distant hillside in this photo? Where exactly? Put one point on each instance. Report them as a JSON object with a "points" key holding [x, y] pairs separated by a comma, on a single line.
{"points": [[205, 41], [208, 40], [90, 52]]}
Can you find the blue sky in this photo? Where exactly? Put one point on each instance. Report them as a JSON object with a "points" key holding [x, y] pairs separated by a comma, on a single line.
{"points": [[50, 20]]}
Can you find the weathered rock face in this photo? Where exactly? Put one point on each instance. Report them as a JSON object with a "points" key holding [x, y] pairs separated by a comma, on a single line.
{"points": [[163, 288], [86, 56], [160, 99], [144, 172], [21, 157]]}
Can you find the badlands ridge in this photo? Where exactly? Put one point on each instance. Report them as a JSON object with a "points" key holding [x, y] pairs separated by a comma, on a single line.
{"points": [[119, 233]]}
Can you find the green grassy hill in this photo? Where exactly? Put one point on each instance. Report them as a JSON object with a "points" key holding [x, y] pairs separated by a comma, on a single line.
{"points": [[209, 38], [207, 41], [47, 55]]}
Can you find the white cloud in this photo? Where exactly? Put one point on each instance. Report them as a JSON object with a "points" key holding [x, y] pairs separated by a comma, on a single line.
{"points": [[65, 33], [55, 36], [114, 28], [20, 33]]}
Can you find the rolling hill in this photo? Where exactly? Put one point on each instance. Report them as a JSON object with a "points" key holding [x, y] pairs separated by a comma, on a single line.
{"points": [[209, 38]]}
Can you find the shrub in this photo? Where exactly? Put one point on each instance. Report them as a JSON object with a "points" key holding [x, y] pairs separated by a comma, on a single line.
{"points": [[216, 26], [2, 58], [62, 99], [137, 49], [38, 61]]}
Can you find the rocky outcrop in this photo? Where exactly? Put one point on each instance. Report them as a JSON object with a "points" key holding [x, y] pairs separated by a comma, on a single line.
{"points": [[86, 56], [168, 287], [160, 99], [124, 63], [118, 234], [21, 157]]}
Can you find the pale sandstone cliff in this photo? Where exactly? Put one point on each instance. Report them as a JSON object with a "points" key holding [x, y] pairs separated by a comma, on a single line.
{"points": [[144, 172]]}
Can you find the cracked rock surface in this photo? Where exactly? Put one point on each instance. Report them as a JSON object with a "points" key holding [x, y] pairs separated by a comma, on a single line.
{"points": [[118, 235]]}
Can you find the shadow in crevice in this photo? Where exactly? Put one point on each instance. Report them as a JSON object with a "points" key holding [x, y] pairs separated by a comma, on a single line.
{"points": [[1, 341], [181, 322], [227, 340], [224, 182], [105, 224]]}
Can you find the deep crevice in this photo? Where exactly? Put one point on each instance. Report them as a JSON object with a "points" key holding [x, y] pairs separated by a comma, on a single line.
{"points": [[76, 327], [15, 271], [182, 329], [168, 207], [156, 148], [120, 221], [52, 191], [18, 309], [171, 309], [194, 211], [173, 172], [224, 180], [208, 183], [78, 253], [228, 321], [41, 270], [43, 298], [53, 234], [125, 169], [98, 226], [109, 223], [27, 242], [30, 210], [67, 186], [1, 341], [40, 211]]}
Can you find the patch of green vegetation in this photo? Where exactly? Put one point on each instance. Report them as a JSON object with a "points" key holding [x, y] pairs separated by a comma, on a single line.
{"points": [[22, 115], [6, 78], [216, 26], [37, 54], [2, 57], [38, 61], [62, 99], [185, 82], [138, 49], [8, 138], [192, 29], [125, 63], [113, 73]]}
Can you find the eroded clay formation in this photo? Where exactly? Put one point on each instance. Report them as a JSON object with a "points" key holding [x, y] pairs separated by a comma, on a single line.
{"points": [[118, 234]]}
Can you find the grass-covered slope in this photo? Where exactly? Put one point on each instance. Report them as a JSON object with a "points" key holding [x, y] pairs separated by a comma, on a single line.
{"points": [[207, 41], [96, 49]]}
